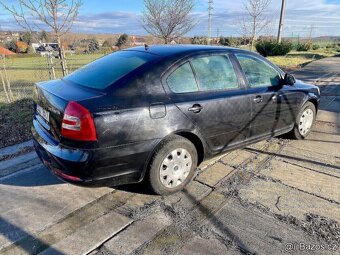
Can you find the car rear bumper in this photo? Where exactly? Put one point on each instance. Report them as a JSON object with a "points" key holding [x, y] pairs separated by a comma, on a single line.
{"points": [[93, 167]]}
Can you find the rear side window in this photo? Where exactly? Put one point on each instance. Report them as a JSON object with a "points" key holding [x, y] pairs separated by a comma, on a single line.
{"points": [[215, 73], [182, 80], [258, 72], [107, 70]]}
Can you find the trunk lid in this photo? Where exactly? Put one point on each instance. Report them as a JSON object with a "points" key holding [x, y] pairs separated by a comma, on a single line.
{"points": [[50, 100]]}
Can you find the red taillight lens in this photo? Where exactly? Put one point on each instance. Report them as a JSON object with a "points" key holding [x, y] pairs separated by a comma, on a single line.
{"points": [[78, 123]]}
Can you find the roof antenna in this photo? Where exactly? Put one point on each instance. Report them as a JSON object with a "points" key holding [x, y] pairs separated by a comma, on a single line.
{"points": [[146, 46]]}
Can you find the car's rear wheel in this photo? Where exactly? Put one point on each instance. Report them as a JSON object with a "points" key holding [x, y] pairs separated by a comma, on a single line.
{"points": [[173, 165], [304, 121]]}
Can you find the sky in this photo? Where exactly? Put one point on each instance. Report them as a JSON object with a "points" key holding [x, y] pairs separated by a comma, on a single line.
{"points": [[322, 17]]}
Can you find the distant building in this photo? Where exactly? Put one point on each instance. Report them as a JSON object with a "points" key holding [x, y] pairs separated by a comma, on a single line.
{"points": [[4, 51], [138, 41]]}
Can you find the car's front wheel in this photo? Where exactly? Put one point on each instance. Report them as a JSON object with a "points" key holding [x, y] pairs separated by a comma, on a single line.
{"points": [[304, 121], [173, 165]]}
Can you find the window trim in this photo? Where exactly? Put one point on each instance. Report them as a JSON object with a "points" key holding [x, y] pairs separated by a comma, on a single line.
{"points": [[267, 63], [174, 70], [187, 59]]}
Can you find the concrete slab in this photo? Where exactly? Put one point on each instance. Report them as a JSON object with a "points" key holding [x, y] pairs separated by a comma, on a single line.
{"points": [[200, 246], [15, 148], [36, 242], [31, 201], [213, 175], [19, 163], [167, 241], [205, 164], [172, 238], [300, 178], [283, 200], [190, 196], [138, 233], [237, 158], [300, 154], [326, 127], [257, 233], [329, 116], [136, 202], [5, 164], [91, 236]]}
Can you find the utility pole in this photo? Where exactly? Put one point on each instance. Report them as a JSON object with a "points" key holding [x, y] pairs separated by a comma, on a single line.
{"points": [[210, 8], [283, 10]]}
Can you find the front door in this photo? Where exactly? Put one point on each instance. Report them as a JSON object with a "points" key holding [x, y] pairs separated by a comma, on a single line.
{"points": [[207, 91], [273, 104]]}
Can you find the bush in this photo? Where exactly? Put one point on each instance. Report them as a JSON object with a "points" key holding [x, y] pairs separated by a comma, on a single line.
{"points": [[122, 40], [228, 41], [316, 46], [106, 50], [200, 40], [11, 45], [331, 46], [272, 48], [30, 50], [106, 44], [93, 45], [304, 46]]}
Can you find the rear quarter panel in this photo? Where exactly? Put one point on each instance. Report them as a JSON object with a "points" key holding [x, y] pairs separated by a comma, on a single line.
{"points": [[137, 111]]}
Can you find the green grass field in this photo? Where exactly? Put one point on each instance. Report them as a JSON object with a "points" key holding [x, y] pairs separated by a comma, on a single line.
{"points": [[23, 72], [296, 60]]}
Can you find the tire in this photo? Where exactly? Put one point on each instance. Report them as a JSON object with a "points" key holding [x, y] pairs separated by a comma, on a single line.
{"points": [[172, 166], [299, 132]]}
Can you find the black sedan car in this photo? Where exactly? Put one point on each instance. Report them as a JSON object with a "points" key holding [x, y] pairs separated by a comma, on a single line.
{"points": [[157, 112]]}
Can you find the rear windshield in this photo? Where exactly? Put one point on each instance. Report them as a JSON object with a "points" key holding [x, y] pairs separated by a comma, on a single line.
{"points": [[105, 71]]}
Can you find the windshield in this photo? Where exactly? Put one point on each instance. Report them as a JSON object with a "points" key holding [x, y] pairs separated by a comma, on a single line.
{"points": [[105, 71]]}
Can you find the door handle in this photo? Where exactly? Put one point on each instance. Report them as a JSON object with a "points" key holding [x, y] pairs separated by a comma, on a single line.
{"points": [[258, 99], [196, 108], [276, 98]]}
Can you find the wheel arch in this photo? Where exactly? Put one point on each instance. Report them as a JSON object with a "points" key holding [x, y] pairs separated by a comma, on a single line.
{"points": [[314, 101], [191, 136], [196, 141]]}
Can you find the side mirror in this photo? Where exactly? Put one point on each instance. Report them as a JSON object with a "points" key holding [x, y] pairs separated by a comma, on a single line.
{"points": [[289, 79]]}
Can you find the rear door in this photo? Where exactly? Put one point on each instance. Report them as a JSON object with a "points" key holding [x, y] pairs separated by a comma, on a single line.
{"points": [[273, 104], [207, 90]]}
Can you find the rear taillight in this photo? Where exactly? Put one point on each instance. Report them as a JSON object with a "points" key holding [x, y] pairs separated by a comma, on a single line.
{"points": [[78, 123]]}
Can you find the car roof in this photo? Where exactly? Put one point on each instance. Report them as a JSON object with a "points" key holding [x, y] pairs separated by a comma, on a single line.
{"points": [[169, 50]]}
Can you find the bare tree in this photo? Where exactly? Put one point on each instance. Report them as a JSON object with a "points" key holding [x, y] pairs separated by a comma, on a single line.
{"points": [[57, 15], [255, 21], [168, 19], [5, 80]]}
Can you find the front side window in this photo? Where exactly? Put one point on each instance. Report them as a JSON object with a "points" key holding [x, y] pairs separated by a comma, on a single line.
{"points": [[215, 73], [107, 70], [258, 72], [182, 80]]}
